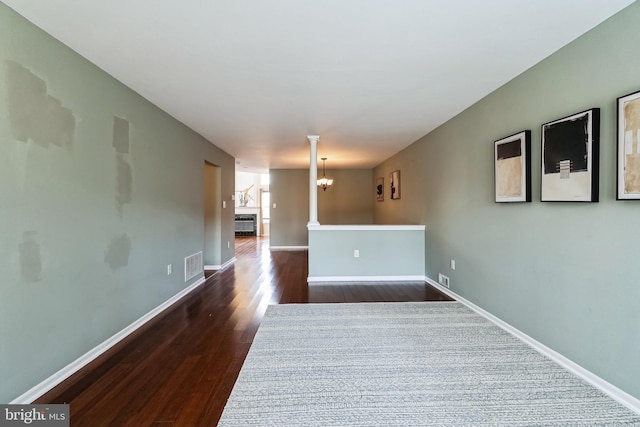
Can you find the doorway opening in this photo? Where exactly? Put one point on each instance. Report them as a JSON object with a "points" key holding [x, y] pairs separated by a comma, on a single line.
{"points": [[252, 211]]}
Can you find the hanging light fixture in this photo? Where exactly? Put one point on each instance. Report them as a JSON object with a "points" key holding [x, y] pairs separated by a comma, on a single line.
{"points": [[324, 182]]}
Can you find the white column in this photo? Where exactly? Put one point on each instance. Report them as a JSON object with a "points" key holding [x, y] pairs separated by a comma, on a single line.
{"points": [[313, 180]]}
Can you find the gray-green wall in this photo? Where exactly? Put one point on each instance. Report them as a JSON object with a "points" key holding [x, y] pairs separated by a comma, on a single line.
{"points": [[99, 192], [393, 254], [348, 201], [567, 274], [289, 190], [350, 198]]}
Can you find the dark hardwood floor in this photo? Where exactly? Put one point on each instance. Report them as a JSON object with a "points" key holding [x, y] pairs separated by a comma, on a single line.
{"points": [[179, 369]]}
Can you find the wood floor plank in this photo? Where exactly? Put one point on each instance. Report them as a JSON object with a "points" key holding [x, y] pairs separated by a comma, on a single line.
{"points": [[164, 395], [179, 369]]}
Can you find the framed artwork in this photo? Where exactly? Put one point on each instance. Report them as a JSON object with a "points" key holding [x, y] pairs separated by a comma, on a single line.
{"points": [[380, 189], [571, 158], [512, 166], [395, 185], [628, 169]]}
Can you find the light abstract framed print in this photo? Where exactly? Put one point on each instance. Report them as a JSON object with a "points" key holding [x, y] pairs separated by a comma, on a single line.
{"points": [[570, 158], [394, 179], [512, 165], [628, 169]]}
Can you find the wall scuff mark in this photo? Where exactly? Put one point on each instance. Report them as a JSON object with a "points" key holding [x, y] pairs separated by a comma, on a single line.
{"points": [[117, 254], [34, 114], [30, 259], [121, 135]]}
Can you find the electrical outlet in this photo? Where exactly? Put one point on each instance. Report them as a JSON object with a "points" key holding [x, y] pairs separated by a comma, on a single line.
{"points": [[224, 204], [169, 267], [453, 264], [356, 253], [443, 280], [274, 206], [228, 244]]}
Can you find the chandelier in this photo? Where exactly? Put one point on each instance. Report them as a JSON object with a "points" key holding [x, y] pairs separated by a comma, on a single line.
{"points": [[324, 182]]}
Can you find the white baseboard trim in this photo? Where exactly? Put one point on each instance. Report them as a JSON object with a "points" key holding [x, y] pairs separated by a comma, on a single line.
{"points": [[289, 248], [611, 390], [338, 279], [220, 267], [228, 263], [38, 390]]}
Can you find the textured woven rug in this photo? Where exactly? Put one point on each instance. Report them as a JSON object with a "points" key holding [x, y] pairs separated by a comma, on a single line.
{"points": [[404, 364]]}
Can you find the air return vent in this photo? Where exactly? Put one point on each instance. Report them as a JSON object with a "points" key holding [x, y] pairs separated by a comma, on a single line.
{"points": [[192, 266]]}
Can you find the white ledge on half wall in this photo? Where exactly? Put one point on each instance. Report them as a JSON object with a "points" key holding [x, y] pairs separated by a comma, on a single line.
{"points": [[367, 227]]}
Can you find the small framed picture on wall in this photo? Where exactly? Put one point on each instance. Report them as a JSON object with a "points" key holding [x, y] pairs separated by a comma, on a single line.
{"points": [[395, 185], [570, 158], [628, 170], [512, 165], [380, 189]]}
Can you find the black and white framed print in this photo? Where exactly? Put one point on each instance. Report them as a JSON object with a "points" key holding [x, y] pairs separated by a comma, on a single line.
{"points": [[380, 189], [628, 170], [571, 158], [395, 185], [512, 165]]}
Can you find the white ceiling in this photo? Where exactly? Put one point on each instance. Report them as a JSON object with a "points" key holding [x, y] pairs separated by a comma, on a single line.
{"points": [[255, 77]]}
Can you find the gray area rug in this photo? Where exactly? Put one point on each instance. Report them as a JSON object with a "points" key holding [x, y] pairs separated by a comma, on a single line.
{"points": [[405, 364]]}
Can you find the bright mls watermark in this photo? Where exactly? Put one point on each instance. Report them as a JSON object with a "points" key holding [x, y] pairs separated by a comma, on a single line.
{"points": [[34, 415]]}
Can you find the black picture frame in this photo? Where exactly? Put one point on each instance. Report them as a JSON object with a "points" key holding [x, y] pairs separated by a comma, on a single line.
{"points": [[571, 158], [380, 189], [628, 147], [512, 168]]}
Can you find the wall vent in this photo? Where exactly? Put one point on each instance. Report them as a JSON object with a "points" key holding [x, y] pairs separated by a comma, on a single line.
{"points": [[443, 280], [192, 266]]}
